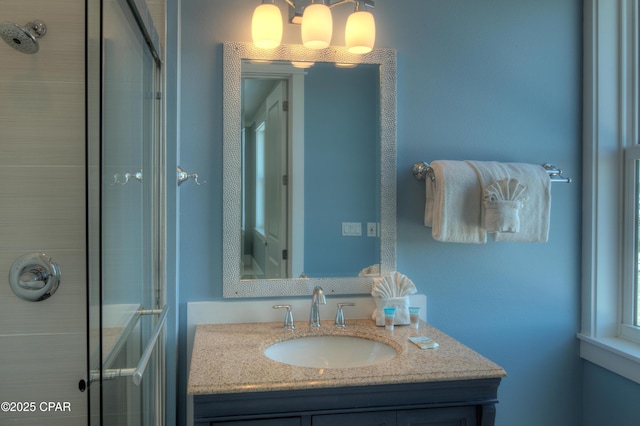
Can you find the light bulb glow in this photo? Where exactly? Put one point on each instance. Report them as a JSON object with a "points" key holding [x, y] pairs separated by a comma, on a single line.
{"points": [[317, 26], [266, 26], [302, 65], [360, 33]]}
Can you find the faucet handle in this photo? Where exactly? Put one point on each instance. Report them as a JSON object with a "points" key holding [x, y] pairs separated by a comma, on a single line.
{"points": [[288, 317], [340, 315]]}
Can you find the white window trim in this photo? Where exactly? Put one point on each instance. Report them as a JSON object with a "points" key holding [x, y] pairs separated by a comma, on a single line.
{"points": [[610, 124]]}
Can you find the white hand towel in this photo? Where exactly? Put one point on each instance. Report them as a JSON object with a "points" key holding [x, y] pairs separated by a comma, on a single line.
{"points": [[453, 203], [534, 213]]}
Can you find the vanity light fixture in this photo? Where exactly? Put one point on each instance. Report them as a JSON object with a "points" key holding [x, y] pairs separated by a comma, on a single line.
{"points": [[360, 33], [317, 24], [266, 26]]}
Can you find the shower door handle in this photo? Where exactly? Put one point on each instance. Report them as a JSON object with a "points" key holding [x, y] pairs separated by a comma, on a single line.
{"points": [[137, 372]]}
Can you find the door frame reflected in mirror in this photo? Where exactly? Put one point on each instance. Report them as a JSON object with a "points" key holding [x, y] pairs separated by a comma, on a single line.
{"points": [[293, 203], [233, 54]]}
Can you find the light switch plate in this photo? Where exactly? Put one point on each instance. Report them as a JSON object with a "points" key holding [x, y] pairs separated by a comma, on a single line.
{"points": [[351, 229]]}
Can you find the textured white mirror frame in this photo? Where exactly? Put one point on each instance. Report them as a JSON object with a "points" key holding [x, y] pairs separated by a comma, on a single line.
{"points": [[233, 54]]}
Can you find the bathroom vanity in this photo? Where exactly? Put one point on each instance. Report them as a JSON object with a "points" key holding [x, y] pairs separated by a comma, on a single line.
{"points": [[234, 383]]}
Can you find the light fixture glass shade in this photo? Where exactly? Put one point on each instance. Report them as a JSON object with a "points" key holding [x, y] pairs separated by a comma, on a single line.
{"points": [[317, 26], [266, 26], [360, 33]]}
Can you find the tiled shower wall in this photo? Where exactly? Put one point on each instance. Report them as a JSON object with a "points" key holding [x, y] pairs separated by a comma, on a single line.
{"points": [[42, 209]]}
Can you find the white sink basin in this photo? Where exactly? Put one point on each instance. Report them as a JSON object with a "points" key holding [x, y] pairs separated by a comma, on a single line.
{"points": [[330, 352]]}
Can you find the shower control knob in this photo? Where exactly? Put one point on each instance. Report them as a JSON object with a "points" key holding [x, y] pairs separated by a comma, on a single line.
{"points": [[34, 277]]}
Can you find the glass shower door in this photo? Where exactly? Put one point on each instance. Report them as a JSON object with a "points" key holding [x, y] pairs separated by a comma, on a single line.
{"points": [[127, 344]]}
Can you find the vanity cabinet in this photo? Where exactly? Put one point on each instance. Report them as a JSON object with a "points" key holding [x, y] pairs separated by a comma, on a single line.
{"points": [[446, 403], [450, 385]]}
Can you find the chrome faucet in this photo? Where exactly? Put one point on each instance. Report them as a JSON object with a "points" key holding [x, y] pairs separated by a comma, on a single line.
{"points": [[317, 298]]}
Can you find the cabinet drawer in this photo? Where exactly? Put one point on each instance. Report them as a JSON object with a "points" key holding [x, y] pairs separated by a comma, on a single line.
{"points": [[380, 418], [288, 421], [453, 416]]}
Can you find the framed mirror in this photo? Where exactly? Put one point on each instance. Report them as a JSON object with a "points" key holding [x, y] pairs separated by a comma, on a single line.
{"points": [[336, 221]]}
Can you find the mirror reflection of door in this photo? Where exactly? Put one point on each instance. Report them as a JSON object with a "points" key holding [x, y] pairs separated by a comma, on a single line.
{"points": [[275, 167], [265, 179]]}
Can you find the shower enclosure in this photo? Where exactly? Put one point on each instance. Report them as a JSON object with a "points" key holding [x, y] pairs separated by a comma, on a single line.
{"points": [[127, 310], [80, 164]]}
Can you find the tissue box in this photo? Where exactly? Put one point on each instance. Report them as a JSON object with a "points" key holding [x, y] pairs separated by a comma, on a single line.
{"points": [[402, 310]]}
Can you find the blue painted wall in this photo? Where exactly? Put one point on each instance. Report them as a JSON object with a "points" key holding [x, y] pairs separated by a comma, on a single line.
{"points": [[609, 399], [341, 131], [491, 80]]}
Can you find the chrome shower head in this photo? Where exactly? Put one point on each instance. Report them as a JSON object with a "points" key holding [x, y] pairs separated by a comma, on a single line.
{"points": [[23, 39]]}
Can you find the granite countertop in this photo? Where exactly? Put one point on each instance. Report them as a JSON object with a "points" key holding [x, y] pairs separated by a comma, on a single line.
{"points": [[229, 358]]}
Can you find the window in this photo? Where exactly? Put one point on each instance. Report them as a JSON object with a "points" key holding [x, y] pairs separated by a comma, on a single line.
{"points": [[610, 336], [635, 155], [631, 253]]}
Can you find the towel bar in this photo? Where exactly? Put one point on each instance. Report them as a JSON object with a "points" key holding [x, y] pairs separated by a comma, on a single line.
{"points": [[137, 372], [422, 169]]}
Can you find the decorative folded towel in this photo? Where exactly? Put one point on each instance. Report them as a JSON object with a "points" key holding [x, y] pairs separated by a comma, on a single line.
{"points": [[453, 203], [502, 201], [370, 271], [392, 291], [402, 310], [527, 184], [502, 216]]}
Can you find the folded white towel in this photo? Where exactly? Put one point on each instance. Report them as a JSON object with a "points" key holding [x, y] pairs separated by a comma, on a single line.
{"points": [[394, 284], [370, 271], [392, 291], [402, 310], [534, 211], [502, 201], [502, 215], [453, 203]]}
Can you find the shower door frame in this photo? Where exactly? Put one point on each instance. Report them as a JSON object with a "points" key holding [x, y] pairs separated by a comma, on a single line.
{"points": [[95, 57]]}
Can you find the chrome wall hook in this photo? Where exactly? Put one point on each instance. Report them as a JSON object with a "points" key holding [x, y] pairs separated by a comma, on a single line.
{"points": [[184, 176], [123, 179]]}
